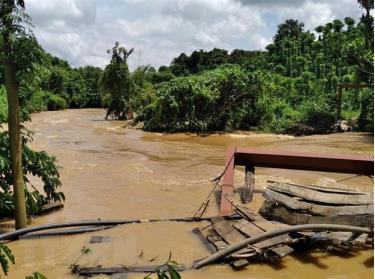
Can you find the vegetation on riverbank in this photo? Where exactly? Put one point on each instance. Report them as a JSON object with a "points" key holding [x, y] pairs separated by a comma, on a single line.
{"points": [[293, 82]]}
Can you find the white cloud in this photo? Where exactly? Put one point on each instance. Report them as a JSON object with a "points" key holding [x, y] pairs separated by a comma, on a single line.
{"points": [[82, 30]]}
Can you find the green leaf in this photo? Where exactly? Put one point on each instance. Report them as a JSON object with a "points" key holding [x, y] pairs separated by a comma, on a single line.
{"points": [[36, 275], [5, 256], [4, 264], [173, 272], [162, 274]]}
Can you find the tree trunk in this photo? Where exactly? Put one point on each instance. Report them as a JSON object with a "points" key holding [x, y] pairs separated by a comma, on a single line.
{"points": [[15, 143]]}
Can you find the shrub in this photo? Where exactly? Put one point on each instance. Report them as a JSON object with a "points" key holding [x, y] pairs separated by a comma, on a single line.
{"points": [[318, 115], [278, 115], [198, 102], [55, 102], [43, 100], [37, 103]]}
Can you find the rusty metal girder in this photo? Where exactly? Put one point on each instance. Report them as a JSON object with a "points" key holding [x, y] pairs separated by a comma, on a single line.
{"points": [[352, 164]]}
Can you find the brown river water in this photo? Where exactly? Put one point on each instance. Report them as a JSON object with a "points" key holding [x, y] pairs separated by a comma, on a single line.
{"points": [[110, 172]]}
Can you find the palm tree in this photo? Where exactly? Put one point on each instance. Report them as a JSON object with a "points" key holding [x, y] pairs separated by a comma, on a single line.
{"points": [[367, 5]]}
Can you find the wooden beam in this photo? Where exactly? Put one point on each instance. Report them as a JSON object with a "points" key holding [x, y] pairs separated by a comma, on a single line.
{"points": [[248, 187]]}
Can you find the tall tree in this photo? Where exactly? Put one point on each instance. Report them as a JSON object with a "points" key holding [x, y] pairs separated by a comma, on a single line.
{"points": [[19, 54], [10, 27], [368, 21], [117, 82], [291, 28]]}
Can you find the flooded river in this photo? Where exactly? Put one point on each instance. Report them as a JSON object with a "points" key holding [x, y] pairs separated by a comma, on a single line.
{"points": [[110, 172]]}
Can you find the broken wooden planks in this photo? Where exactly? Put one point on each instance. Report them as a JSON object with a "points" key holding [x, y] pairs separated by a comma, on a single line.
{"points": [[299, 204], [231, 236], [258, 225], [279, 242], [228, 232], [208, 234], [283, 214], [224, 233], [217, 243], [316, 195]]}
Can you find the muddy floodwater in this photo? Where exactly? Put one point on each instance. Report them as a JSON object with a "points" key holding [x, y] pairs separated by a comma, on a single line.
{"points": [[110, 172]]}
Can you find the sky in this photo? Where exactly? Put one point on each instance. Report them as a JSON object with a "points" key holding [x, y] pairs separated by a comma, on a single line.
{"points": [[81, 31]]}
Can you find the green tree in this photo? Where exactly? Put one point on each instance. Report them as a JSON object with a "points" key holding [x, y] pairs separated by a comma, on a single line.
{"points": [[14, 39], [117, 82], [291, 28], [349, 22], [91, 77], [338, 25], [198, 102], [368, 21]]}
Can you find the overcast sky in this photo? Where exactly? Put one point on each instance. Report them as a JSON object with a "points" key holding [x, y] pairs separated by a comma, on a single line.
{"points": [[81, 31]]}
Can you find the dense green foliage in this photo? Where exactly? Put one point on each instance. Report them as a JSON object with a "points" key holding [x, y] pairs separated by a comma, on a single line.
{"points": [[55, 86], [80, 87], [37, 164], [198, 102], [294, 82]]}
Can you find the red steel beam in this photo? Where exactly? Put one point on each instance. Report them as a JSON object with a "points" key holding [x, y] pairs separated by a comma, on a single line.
{"points": [[305, 161], [352, 164]]}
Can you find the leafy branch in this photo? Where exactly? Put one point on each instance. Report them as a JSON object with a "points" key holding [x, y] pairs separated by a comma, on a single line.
{"points": [[168, 270]]}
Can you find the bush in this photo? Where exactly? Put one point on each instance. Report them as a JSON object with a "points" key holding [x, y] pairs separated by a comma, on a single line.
{"points": [[42, 100], [198, 102], [318, 115], [37, 103], [278, 115], [55, 102]]}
